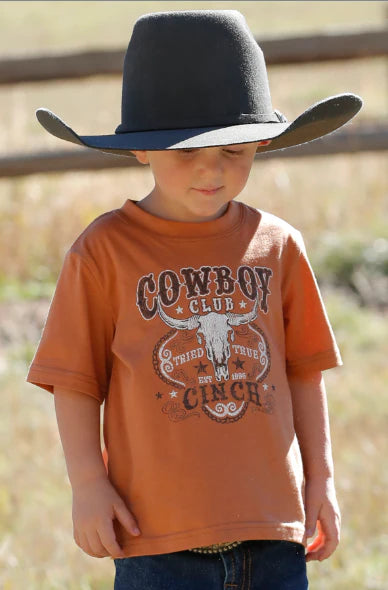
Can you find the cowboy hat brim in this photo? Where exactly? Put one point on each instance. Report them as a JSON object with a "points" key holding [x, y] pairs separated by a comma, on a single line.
{"points": [[320, 119]]}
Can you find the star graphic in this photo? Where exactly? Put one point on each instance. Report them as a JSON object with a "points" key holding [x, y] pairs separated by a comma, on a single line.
{"points": [[201, 368], [179, 309], [242, 304], [158, 395], [173, 393], [265, 387], [239, 363]]}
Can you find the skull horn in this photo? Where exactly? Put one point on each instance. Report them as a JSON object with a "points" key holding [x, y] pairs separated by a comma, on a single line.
{"points": [[187, 324], [236, 319]]}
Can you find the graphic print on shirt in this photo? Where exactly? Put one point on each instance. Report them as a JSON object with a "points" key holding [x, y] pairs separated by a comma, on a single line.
{"points": [[213, 359]]}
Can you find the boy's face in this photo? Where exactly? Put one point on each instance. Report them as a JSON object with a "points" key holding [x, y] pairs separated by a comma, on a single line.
{"points": [[196, 184]]}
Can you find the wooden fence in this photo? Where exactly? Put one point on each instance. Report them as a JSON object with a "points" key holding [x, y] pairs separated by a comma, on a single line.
{"points": [[362, 138], [326, 46]]}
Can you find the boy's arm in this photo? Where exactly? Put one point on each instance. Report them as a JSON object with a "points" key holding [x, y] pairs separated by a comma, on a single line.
{"points": [[96, 503], [312, 428]]}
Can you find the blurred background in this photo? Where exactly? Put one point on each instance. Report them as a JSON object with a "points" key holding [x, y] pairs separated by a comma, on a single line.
{"points": [[338, 201]]}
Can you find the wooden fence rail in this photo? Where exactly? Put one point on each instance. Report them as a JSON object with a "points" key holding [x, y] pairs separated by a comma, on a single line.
{"points": [[325, 46], [357, 139]]}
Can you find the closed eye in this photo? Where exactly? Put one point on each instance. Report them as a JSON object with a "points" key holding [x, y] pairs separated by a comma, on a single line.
{"points": [[188, 151], [234, 152]]}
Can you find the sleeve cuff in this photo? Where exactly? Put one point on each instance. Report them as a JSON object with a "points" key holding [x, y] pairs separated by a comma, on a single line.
{"points": [[317, 362], [48, 378]]}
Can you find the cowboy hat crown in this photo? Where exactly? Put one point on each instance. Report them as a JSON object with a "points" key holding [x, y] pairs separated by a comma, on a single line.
{"points": [[199, 69]]}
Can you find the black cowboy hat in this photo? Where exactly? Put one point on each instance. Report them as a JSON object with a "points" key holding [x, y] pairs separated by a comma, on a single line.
{"points": [[198, 79]]}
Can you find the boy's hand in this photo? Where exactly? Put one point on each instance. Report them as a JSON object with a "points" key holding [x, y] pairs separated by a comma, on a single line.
{"points": [[95, 505], [322, 511]]}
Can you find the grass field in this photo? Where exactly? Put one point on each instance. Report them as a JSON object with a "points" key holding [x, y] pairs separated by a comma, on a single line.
{"points": [[40, 216]]}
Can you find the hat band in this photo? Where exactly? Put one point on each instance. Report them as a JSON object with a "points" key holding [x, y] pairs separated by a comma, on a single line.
{"points": [[237, 119]]}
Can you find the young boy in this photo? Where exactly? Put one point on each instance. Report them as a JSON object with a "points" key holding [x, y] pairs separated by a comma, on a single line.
{"points": [[198, 323]]}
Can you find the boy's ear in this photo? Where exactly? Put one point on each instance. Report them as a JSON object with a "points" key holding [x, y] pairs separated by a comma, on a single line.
{"points": [[141, 156]]}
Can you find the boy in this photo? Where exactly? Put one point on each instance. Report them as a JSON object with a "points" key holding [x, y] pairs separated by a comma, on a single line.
{"points": [[198, 322]]}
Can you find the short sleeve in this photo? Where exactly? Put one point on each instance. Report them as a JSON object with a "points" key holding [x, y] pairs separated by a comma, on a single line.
{"points": [[74, 351], [310, 342]]}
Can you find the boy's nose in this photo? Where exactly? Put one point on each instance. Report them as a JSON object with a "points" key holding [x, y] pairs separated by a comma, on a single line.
{"points": [[211, 163]]}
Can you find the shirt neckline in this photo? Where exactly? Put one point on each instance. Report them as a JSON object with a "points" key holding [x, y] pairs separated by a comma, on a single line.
{"points": [[228, 222]]}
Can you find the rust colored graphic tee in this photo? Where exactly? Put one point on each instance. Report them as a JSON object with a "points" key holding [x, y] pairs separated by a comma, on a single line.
{"points": [[187, 332]]}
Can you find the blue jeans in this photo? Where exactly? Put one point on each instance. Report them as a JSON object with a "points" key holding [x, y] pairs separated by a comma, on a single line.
{"points": [[253, 565]]}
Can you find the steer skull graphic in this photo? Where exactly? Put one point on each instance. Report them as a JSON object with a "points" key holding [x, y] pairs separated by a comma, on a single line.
{"points": [[214, 328]]}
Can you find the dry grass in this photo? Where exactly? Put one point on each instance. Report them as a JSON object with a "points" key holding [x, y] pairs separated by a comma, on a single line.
{"points": [[41, 215]]}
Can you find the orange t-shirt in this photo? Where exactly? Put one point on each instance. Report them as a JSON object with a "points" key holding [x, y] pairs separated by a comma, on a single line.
{"points": [[187, 332]]}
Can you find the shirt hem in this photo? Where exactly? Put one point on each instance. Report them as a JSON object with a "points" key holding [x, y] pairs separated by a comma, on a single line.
{"points": [[136, 546]]}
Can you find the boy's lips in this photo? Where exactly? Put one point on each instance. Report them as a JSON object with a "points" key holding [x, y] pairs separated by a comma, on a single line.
{"points": [[208, 191]]}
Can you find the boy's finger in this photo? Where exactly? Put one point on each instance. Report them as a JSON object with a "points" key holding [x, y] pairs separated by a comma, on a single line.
{"points": [[324, 545], [83, 543], [321, 553], [97, 548], [316, 543], [311, 519], [331, 533], [108, 540], [126, 518]]}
